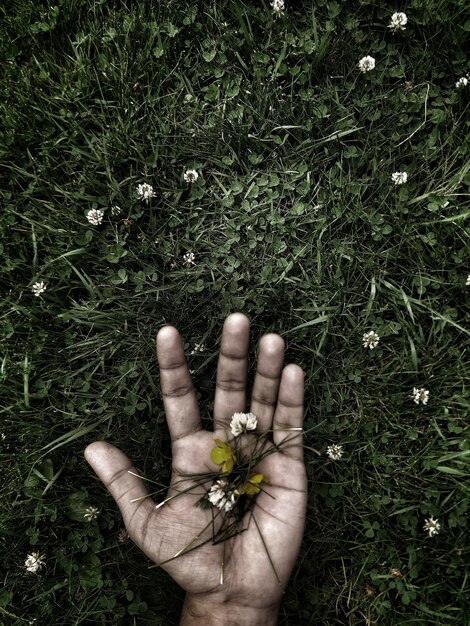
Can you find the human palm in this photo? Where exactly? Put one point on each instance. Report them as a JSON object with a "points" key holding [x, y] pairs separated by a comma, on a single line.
{"points": [[254, 565]]}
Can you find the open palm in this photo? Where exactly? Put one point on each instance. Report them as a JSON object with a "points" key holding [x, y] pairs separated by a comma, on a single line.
{"points": [[255, 564]]}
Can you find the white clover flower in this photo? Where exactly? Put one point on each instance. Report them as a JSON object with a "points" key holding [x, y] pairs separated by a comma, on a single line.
{"points": [[115, 210], [191, 176], [34, 562], [366, 64], [145, 191], [278, 7], [188, 258], [242, 422], [462, 82], [395, 572], [198, 347], [399, 178], [335, 451], [398, 22], [95, 216], [370, 339], [38, 288], [432, 526], [468, 281], [91, 513], [220, 497], [420, 395]]}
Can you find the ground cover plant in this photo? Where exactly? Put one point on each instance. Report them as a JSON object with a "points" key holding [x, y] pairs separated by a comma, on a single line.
{"points": [[305, 163]]}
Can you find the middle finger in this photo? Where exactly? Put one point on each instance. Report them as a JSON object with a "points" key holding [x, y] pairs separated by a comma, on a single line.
{"points": [[232, 370], [267, 379]]}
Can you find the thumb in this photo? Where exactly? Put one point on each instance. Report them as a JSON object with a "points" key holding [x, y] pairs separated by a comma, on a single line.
{"points": [[112, 467]]}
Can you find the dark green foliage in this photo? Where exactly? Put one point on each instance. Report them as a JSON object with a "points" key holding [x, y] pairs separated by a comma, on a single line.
{"points": [[295, 221]]}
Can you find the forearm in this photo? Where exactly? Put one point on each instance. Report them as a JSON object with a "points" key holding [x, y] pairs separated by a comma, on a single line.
{"points": [[200, 611]]}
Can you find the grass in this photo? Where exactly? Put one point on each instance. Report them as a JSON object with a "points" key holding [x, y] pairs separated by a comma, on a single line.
{"points": [[295, 221]]}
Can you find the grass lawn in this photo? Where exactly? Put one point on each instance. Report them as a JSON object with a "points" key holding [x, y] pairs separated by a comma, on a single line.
{"points": [[296, 220]]}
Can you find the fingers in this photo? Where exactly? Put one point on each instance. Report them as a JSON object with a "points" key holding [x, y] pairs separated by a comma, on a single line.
{"points": [[112, 467], [232, 369], [179, 397], [267, 379], [289, 412]]}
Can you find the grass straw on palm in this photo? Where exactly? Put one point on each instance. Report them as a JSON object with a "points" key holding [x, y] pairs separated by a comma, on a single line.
{"points": [[246, 459]]}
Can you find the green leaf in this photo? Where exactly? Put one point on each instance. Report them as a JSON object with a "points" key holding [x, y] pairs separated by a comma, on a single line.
{"points": [[115, 253], [298, 208], [455, 455], [89, 572], [209, 55], [31, 487], [47, 469], [137, 607], [171, 29], [33, 534], [5, 597], [232, 91], [158, 51], [451, 470], [190, 15], [213, 93], [236, 187], [76, 505], [261, 57]]}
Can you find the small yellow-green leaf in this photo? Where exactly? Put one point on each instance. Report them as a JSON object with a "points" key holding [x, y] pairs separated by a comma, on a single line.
{"points": [[257, 478], [218, 455], [228, 465], [251, 489]]}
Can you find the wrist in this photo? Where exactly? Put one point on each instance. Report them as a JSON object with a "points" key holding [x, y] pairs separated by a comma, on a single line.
{"points": [[208, 612]]}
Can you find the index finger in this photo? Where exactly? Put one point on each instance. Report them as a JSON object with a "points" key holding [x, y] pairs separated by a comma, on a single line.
{"points": [[179, 397]]}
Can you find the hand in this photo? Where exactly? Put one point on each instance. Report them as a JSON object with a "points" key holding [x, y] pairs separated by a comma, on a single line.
{"points": [[250, 592]]}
